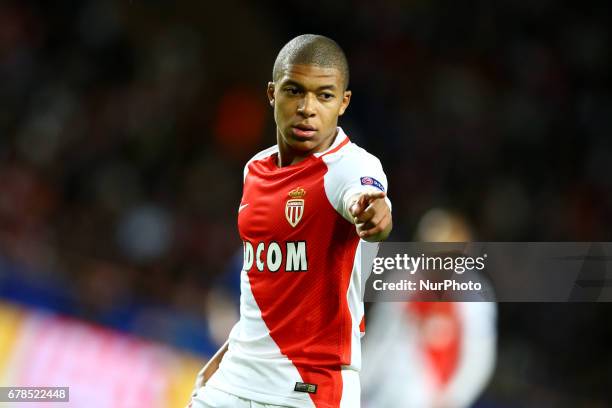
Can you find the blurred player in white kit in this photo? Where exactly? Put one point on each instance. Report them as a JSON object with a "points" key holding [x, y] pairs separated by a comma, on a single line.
{"points": [[429, 354]]}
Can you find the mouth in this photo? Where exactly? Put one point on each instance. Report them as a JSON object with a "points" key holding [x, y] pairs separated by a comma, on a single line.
{"points": [[304, 131]]}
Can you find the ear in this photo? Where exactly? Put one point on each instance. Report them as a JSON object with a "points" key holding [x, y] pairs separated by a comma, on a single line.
{"points": [[270, 93], [346, 99]]}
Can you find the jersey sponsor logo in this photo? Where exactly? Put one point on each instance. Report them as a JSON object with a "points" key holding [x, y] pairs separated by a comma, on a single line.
{"points": [[294, 208], [272, 257], [305, 387], [371, 181]]}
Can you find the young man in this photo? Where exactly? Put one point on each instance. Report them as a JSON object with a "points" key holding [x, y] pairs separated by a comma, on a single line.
{"points": [[307, 203]]}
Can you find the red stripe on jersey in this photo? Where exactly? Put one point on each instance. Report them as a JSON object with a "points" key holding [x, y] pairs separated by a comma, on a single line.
{"points": [[307, 313], [335, 149], [442, 342]]}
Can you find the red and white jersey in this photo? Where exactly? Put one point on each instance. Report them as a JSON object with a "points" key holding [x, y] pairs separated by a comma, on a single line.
{"points": [[428, 354], [297, 342]]}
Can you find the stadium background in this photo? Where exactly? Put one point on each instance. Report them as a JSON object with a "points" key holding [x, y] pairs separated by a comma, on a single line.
{"points": [[125, 125]]}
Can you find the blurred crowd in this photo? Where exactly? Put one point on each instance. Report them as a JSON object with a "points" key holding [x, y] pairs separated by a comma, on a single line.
{"points": [[125, 126]]}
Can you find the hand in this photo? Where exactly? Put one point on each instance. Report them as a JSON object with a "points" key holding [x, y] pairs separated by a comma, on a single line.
{"points": [[371, 215]]}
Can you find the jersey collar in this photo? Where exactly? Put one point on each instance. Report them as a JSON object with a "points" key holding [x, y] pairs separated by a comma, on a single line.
{"points": [[340, 139]]}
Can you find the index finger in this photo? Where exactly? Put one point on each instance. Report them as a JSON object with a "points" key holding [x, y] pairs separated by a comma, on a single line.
{"points": [[373, 195], [362, 200]]}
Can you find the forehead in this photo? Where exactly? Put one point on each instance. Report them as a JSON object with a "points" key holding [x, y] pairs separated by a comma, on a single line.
{"points": [[310, 74]]}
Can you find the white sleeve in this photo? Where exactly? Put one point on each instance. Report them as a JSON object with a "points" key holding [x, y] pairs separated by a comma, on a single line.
{"points": [[353, 172]]}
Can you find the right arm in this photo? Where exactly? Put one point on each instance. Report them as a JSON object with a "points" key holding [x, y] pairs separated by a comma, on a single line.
{"points": [[211, 366]]}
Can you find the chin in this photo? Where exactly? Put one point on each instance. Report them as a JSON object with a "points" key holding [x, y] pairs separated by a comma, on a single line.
{"points": [[302, 146]]}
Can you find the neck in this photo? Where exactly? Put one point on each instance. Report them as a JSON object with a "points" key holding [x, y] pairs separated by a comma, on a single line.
{"points": [[287, 156]]}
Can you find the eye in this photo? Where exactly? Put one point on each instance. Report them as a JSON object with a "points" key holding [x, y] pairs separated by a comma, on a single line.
{"points": [[327, 96], [292, 90]]}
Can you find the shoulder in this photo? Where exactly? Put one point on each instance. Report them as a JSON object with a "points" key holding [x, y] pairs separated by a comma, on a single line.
{"points": [[352, 160], [352, 152], [259, 156], [344, 153]]}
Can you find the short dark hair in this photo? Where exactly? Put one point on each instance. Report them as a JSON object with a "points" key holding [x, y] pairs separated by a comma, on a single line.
{"points": [[312, 49]]}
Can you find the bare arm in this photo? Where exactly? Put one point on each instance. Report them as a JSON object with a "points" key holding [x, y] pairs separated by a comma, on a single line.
{"points": [[211, 366]]}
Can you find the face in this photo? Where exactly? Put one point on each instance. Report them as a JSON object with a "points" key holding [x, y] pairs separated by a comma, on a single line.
{"points": [[307, 101]]}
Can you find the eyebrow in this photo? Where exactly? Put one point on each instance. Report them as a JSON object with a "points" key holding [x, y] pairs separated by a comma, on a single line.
{"points": [[295, 83]]}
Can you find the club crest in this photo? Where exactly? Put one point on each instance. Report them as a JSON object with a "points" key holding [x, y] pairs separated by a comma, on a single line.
{"points": [[294, 208]]}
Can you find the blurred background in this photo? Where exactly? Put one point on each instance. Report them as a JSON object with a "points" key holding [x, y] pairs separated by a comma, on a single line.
{"points": [[125, 126]]}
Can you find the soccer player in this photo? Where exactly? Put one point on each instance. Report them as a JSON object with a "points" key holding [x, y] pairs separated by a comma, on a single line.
{"points": [[307, 205]]}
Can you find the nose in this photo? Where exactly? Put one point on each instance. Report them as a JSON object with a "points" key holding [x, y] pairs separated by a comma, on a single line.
{"points": [[306, 106]]}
